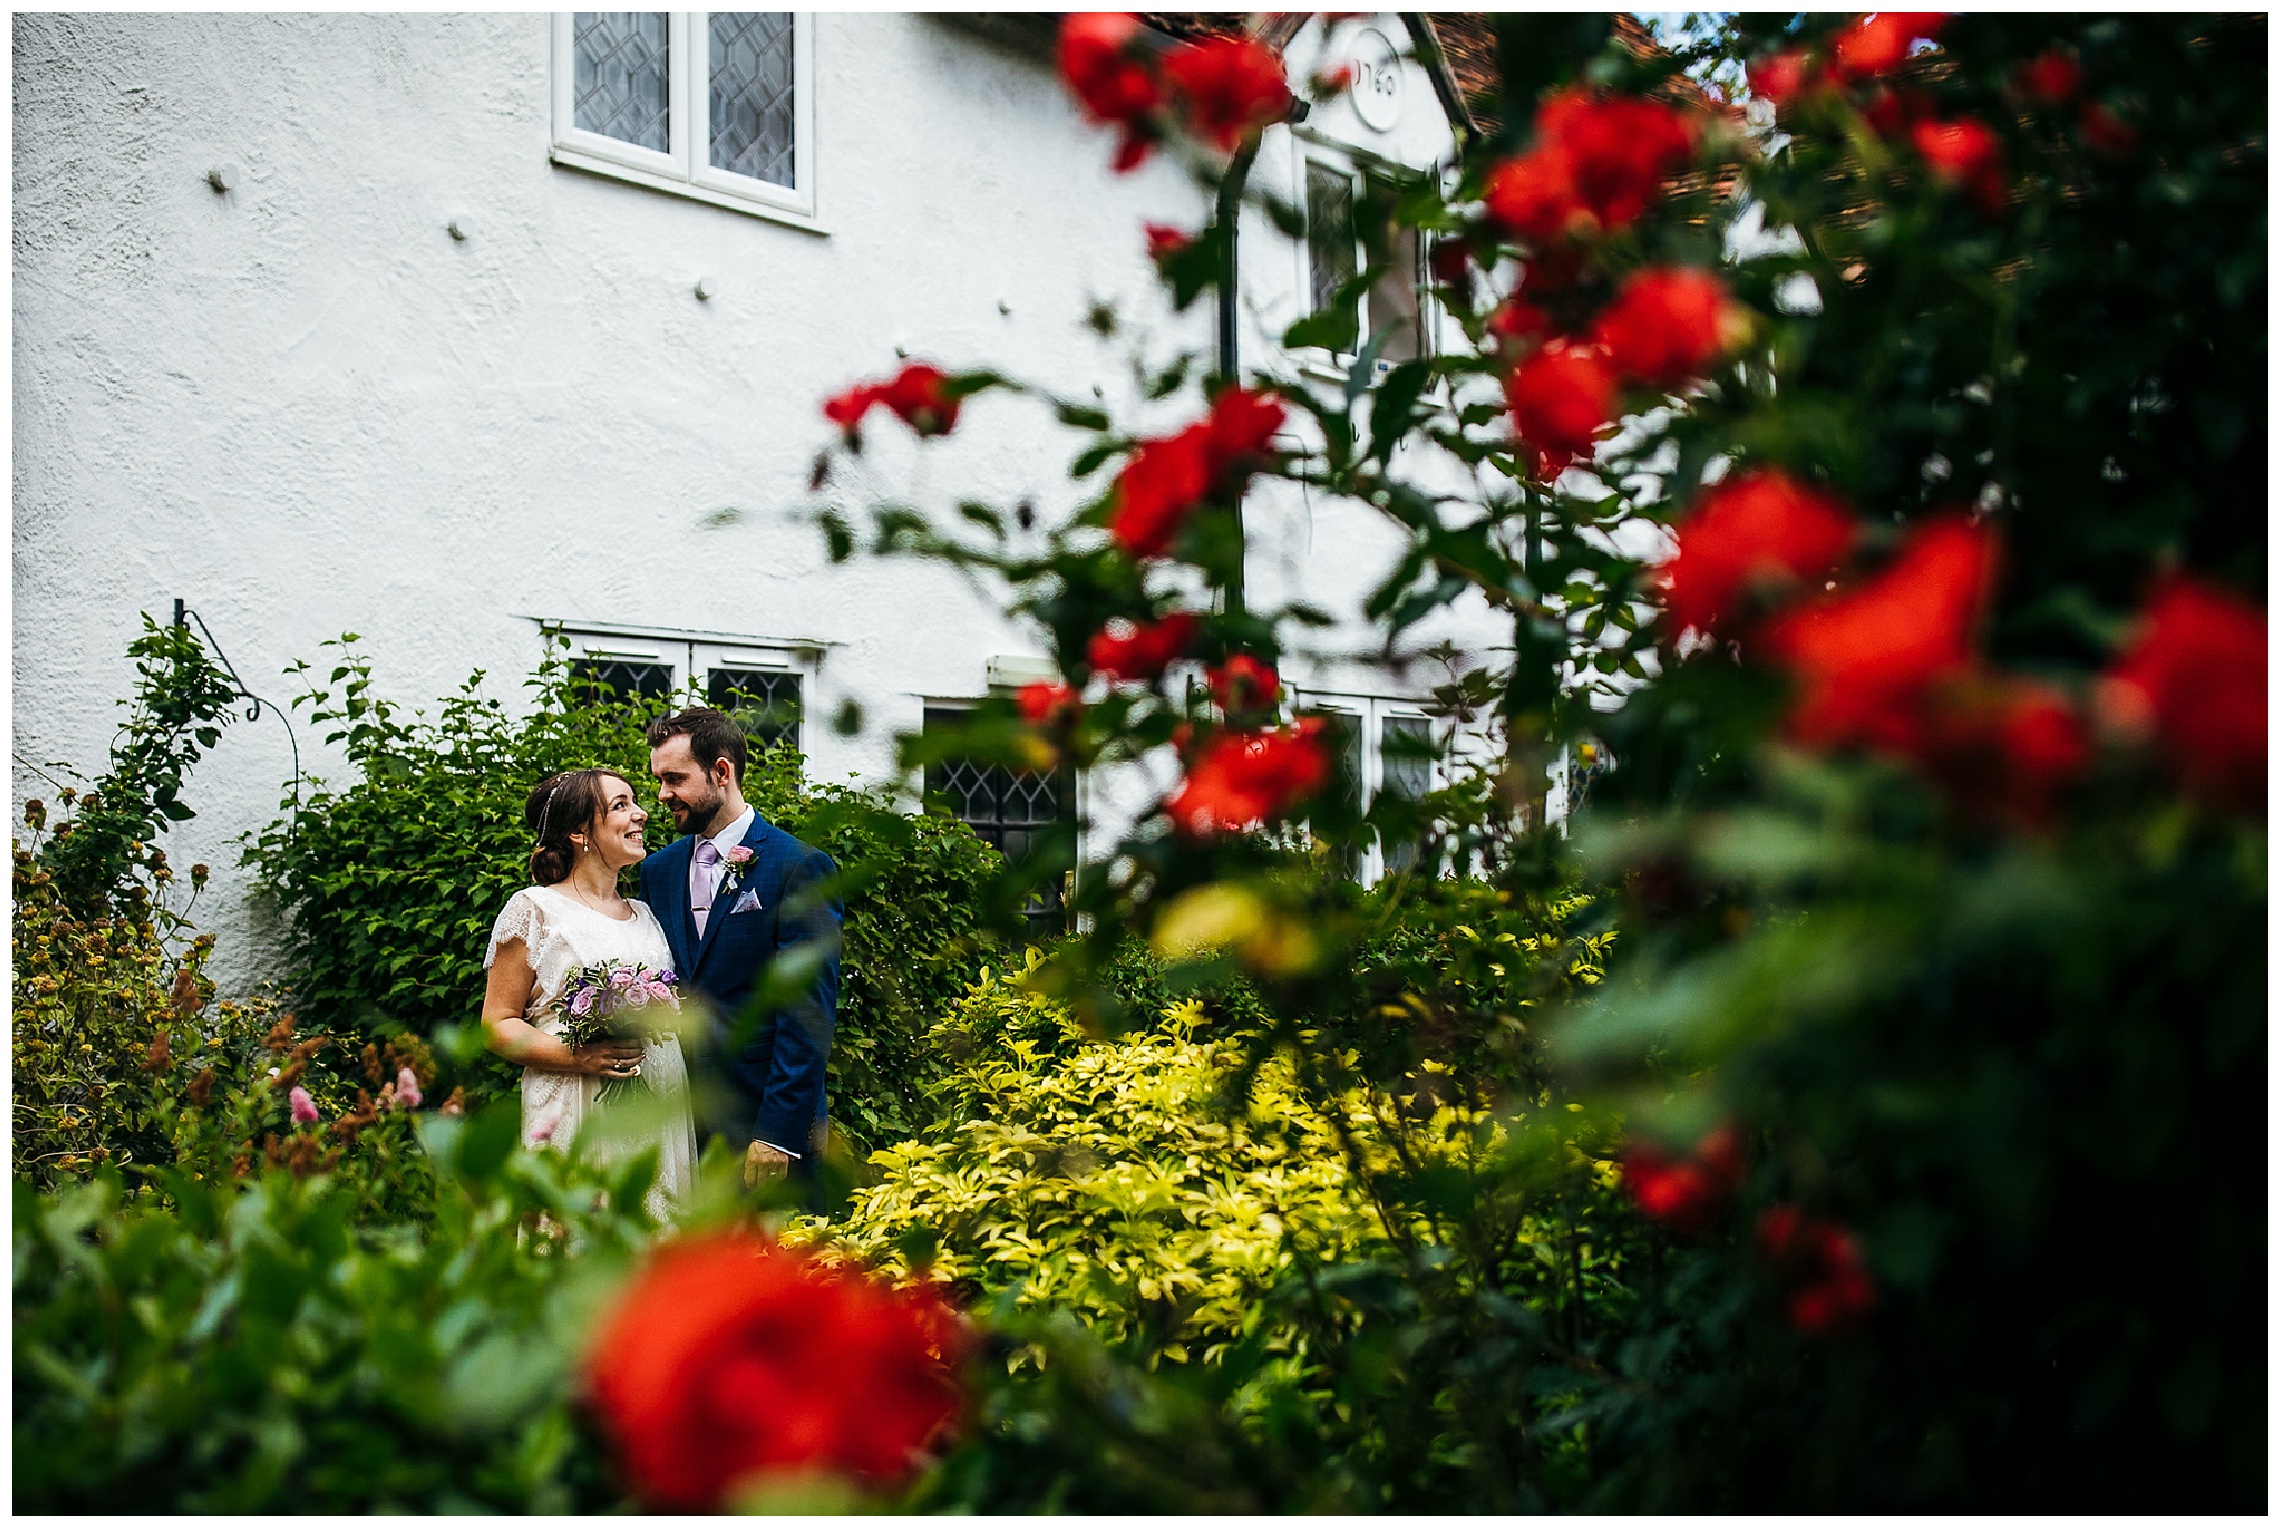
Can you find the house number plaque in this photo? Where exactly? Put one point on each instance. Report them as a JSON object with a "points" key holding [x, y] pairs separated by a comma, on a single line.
{"points": [[1377, 85]]}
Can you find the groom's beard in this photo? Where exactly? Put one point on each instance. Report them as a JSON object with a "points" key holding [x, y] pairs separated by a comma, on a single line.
{"points": [[703, 821]]}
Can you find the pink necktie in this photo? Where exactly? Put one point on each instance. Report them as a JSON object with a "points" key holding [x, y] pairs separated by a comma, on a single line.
{"points": [[701, 882]]}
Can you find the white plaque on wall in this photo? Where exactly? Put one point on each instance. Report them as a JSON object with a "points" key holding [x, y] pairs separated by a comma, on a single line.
{"points": [[1378, 80]]}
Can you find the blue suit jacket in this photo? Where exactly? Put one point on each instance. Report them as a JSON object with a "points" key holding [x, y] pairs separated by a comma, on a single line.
{"points": [[776, 1076]]}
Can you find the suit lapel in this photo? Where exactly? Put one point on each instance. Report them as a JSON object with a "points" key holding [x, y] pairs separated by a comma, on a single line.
{"points": [[680, 925], [722, 902]]}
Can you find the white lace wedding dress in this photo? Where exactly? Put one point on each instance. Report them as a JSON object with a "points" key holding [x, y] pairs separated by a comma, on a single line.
{"points": [[562, 934]]}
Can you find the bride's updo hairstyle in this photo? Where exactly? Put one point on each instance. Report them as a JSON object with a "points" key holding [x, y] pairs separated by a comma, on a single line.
{"points": [[557, 807]]}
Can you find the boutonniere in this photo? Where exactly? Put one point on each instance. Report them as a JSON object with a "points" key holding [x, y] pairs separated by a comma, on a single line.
{"points": [[739, 863]]}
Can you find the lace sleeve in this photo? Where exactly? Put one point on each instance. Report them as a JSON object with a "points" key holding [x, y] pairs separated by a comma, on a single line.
{"points": [[522, 918]]}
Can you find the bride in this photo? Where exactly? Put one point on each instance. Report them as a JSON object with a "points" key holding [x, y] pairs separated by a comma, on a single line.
{"points": [[588, 830]]}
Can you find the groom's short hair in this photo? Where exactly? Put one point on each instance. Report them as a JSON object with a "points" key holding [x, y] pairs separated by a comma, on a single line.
{"points": [[712, 737]]}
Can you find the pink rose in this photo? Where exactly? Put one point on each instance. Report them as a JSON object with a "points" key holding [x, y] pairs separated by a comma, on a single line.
{"points": [[740, 855], [543, 1131], [637, 997], [622, 978], [583, 1003], [407, 1089], [660, 993], [304, 1107]]}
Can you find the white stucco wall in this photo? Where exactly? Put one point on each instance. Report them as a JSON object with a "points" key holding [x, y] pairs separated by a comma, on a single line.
{"points": [[307, 409]]}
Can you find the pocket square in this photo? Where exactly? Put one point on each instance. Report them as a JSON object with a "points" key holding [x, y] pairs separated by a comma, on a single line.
{"points": [[749, 902]]}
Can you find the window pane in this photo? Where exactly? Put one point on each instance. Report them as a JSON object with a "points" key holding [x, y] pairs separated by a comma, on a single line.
{"points": [[624, 679], [752, 94], [765, 703], [1393, 301], [1329, 236], [1005, 807], [622, 86], [1405, 766]]}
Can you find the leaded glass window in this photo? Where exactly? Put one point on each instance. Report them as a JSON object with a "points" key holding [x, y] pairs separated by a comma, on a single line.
{"points": [[765, 703], [752, 102], [1330, 251], [1405, 769], [624, 678], [1008, 808], [623, 87]]}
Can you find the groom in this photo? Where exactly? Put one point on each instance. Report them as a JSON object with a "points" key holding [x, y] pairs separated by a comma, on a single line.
{"points": [[733, 893]]}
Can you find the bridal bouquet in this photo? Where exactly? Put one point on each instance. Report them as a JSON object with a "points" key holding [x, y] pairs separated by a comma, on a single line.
{"points": [[620, 1000]]}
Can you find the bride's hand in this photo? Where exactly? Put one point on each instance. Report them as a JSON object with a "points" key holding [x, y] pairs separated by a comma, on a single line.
{"points": [[607, 1061]]}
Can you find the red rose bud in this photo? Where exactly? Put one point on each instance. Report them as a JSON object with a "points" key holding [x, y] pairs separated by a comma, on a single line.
{"points": [[1228, 87], [2051, 78], [1863, 660], [1048, 704], [1241, 780], [1761, 531], [1668, 325], [1331, 82], [1879, 44], [1450, 262], [727, 1358], [1519, 322], [1165, 241], [2107, 133], [1243, 683], [1685, 1193], [918, 396], [1130, 652], [848, 408], [1966, 154], [1895, 113], [2194, 675], [1533, 197], [1820, 1262], [1561, 398], [2007, 742], [1243, 426], [1101, 61]]}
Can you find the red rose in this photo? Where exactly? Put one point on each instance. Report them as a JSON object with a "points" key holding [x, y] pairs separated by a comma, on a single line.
{"points": [[1864, 659], [1520, 321], [1684, 1193], [1965, 153], [1158, 488], [2107, 133], [726, 1357], [1141, 652], [2015, 743], [1243, 683], [1878, 44], [1114, 86], [2049, 79], [1761, 528], [1779, 78], [2194, 674], [1618, 150], [1228, 87], [1667, 325], [1829, 1287], [1894, 113], [918, 396], [1166, 479], [1046, 704], [1243, 426], [1533, 196], [1164, 240], [1560, 398], [1242, 779]]}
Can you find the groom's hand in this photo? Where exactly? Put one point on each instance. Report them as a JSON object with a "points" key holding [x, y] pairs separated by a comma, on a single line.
{"points": [[763, 1163]]}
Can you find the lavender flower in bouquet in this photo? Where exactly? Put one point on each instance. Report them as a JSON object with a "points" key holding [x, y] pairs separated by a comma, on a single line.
{"points": [[618, 1001]]}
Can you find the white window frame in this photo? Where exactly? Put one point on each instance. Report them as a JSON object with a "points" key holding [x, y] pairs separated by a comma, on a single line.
{"points": [[692, 656], [1369, 714], [1354, 164], [686, 169]]}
